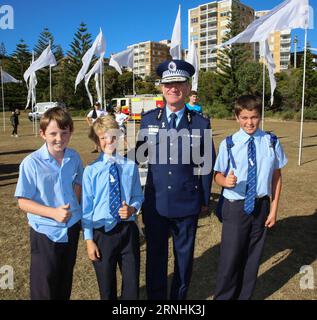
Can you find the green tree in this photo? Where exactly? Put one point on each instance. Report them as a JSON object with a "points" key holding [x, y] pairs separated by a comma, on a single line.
{"points": [[78, 47], [3, 50], [230, 59]]}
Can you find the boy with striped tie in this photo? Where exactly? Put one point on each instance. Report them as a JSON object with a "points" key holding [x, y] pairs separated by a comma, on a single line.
{"points": [[112, 196], [248, 167]]}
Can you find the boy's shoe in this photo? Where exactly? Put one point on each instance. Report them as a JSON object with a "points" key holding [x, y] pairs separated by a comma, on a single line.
{"points": [[12, 135], [16, 136]]}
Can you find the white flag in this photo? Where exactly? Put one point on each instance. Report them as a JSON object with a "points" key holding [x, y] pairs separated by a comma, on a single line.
{"points": [[98, 48], [122, 59], [99, 98], [176, 42], [6, 78], [45, 59], [96, 69], [266, 54], [313, 49], [31, 89], [192, 58], [290, 14]]}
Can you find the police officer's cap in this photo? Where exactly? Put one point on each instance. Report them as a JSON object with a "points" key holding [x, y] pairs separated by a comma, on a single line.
{"points": [[175, 71]]}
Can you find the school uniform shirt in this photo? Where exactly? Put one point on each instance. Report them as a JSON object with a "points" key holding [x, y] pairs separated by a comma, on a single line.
{"points": [[43, 180], [267, 161], [96, 211], [120, 117], [100, 113]]}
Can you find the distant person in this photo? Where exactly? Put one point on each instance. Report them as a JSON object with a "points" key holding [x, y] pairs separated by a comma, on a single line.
{"points": [[49, 190], [112, 196], [193, 102], [14, 119], [248, 167], [92, 116]]}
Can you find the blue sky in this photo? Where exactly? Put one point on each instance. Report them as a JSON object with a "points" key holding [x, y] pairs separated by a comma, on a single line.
{"points": [[123, 22]]}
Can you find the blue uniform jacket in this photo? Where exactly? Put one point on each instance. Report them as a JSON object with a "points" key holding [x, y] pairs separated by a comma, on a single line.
{"points": [[173, 190]]}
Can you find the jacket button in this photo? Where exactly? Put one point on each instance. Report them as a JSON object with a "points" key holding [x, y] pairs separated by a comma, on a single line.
{"points": [[170, 172], [169, 187]]}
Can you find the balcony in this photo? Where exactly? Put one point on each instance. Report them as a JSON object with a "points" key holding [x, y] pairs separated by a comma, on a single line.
{"points": [[285, 40], [286, 49]]}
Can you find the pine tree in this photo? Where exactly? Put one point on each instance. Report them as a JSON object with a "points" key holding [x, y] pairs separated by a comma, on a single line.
{"points": [[79, 46], [230, 59], [18, 62], [3, 50]]}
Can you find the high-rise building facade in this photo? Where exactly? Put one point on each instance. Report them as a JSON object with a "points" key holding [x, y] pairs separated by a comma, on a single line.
{"points": [[148, 55], [208, 26], [280, 46]]}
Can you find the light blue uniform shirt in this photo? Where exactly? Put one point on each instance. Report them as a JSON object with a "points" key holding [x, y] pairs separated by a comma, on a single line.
{"points": [[44, 181], [179, 115], [96, 213], [195, 107], [266, 159]]}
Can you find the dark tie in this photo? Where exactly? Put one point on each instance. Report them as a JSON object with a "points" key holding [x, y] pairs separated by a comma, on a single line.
{"points": [[114, 192], [251, 180], [172, 123]]}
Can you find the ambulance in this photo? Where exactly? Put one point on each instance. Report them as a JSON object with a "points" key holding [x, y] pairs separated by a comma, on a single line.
{"points": [[134, 106]]}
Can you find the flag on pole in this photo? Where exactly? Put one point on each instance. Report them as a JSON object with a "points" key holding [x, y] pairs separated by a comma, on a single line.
{"points": [[265, 53], [98, 48], [7, 78], [96, 70], [31, 89], [45, 59], [176, 42], [122, 59], [192, 58], [290, 14]]}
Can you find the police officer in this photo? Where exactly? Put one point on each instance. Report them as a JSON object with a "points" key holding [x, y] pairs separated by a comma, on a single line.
{"points": [[178, 146]]}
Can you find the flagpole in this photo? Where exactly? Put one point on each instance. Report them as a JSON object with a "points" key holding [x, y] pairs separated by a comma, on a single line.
{"points": [[263, 94], [2, 91], [133, 76], [102, 83], [50, 77], [303, 103]]}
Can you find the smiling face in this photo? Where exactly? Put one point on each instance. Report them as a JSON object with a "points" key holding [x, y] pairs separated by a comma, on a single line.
{"points": [[108, 141], [175, 94], [249, 120], [56, 139]]}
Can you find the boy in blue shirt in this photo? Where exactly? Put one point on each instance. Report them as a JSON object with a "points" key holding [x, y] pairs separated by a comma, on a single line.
{"points": [[112, 196], [49, 190], [193, 102], [250, 172]]}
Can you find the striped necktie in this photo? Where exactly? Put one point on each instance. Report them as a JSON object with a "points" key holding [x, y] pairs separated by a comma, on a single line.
{"points": [[251, 180], [114, 192]]}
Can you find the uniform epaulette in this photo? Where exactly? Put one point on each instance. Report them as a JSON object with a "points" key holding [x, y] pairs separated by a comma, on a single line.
{"points": [[150, 111], [203, 116]]}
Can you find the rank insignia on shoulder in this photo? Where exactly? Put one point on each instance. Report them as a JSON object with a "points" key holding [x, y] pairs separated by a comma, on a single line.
{"points": [[159, 116]]}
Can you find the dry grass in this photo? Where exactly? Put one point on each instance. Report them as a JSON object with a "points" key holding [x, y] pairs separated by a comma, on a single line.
{"points": [[291, 244]]}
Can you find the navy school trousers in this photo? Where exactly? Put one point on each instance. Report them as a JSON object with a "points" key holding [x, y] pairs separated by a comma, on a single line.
{"points": [[52, 264], [241, 248], [119, 246]]}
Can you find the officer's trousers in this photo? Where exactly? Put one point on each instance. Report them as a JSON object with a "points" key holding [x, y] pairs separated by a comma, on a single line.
{"points": [[241, 248], [157, 231]]}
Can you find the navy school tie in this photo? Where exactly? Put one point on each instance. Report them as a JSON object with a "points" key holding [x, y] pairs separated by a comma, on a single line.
{"points": [[251, 180], [172, 123], [114, 192]]}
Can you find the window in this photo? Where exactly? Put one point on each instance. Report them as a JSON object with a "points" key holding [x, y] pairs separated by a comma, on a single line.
{"points": [[194, 20]]}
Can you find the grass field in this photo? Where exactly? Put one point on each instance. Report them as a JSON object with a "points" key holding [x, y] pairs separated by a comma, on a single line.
{"points": [[291, 244]]}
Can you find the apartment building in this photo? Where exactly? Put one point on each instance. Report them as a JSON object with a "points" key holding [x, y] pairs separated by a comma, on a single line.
{"points": [[280, 46], [148, 55], [208, 26]]}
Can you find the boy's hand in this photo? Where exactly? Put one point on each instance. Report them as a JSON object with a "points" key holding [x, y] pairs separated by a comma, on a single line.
{"points": [[231, 180], [271, 219], [62, 213], [92, 250], [125, 212]]}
